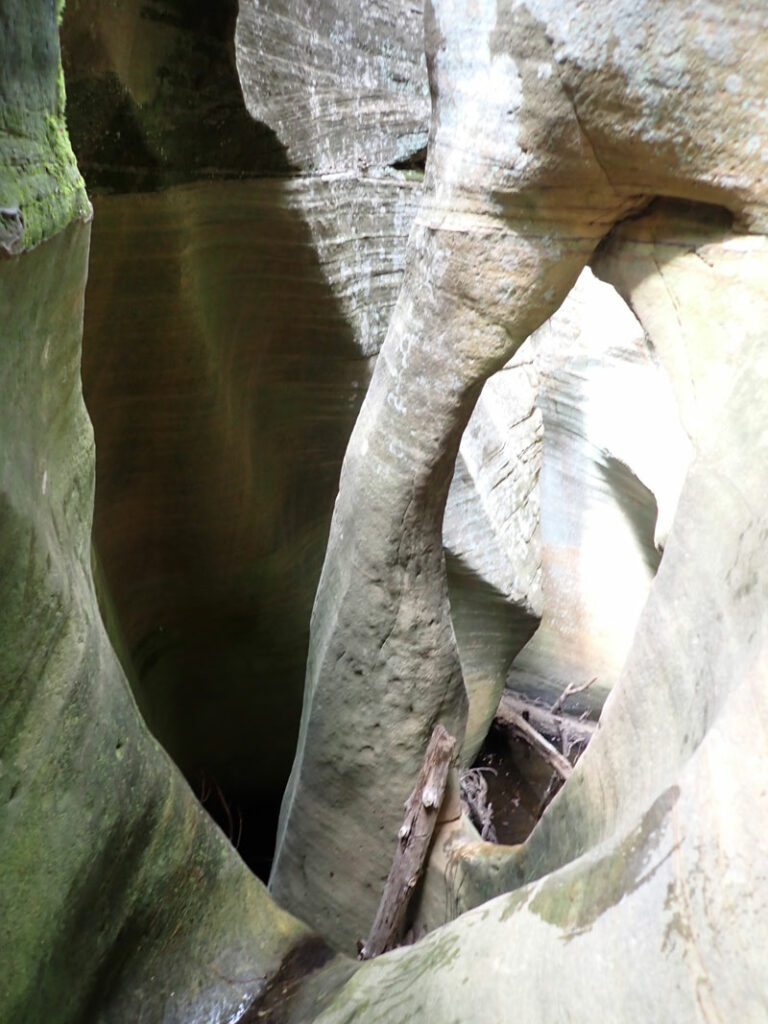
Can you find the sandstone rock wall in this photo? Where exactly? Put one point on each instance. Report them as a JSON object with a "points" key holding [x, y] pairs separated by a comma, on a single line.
{"points": [[614, 458], [121, 901], [235, 302]]}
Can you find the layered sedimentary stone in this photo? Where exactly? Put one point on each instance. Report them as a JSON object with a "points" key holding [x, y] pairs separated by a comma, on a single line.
{"points": [[222, 405], [666, 775], [344, 89], [528, 168], [651, 861], [491, 538], [120, 898], [154, 98], [383, 665], [225, 395], [614, 458]]}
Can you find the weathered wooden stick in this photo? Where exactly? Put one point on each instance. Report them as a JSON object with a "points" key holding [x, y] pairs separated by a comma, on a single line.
{"points": [[569, 691], [512, 720], [413, 838], [578, 730]]}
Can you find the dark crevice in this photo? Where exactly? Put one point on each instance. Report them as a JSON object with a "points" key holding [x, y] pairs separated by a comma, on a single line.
{"points": [[276, 1002], [176, 115], [415, 161]]}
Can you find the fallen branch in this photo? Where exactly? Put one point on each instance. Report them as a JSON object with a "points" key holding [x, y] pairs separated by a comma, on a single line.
{"points": [[576, 730], [510, 719], [413, 839]]}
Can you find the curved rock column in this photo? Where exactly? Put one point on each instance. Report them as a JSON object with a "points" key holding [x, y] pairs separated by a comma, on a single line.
{"points": [[651, 862], [486, 265]]}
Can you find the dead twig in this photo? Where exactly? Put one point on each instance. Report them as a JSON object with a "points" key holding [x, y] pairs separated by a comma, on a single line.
{"points": [[578, 730], [413, 839], [569, 691], [474, 799]]}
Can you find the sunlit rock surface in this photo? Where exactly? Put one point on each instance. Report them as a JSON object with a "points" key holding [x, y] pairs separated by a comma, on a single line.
{"points": [[344, 87], [492, 541], [552, 514], [651, 862], [545, 133], [614, 453], [120, 899]]}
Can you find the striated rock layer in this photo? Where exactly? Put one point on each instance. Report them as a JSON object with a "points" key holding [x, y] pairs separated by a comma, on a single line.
{"points": [[613, 461], [235, 303], [121, 901], [222, 401], [535, 153], [491, 539]]}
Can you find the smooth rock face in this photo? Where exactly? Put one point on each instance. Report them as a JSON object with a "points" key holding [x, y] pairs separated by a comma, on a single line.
{"points": [[222, 405], [651, 861], [614, 452], [233, 311], [650, 864], [120, 897], [154, 98], [492, 542], [552, 513], [120, 900]]}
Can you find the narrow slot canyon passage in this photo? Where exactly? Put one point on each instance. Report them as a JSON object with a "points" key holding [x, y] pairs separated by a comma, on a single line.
{"points": [[352, 667], [219, 669]]}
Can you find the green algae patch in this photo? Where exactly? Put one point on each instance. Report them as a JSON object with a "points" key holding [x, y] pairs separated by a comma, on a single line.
{"points": [[120, 900], [573, 899], [41, 189]]}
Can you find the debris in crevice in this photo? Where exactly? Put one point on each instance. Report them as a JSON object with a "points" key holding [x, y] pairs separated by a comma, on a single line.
{"points": [[475, 802], [413, 840], [529, 753]]}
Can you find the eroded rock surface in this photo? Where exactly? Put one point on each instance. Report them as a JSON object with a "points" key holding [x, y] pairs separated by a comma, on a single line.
{"points": [[614, 459], [120, 900], [492, 541], [543, 136], [235, 303], [547, 128], [344, 88], [650, 863]]}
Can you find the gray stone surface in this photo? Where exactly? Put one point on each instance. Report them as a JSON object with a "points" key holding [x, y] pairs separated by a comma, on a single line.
{"points": [[541, 139], [234, 309], [614, 458], [344, 87], [222, 404], [641, 894], [492, 542], [121, 900]]}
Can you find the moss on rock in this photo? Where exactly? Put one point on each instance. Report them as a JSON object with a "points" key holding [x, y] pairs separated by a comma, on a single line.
{"points": [[41, 189]]}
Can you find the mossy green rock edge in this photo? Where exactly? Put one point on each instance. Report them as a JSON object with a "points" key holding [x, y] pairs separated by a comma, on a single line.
{"points": [[120, 899], [41, 189]]}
